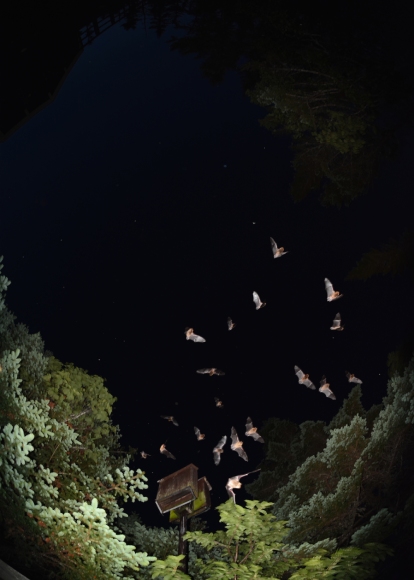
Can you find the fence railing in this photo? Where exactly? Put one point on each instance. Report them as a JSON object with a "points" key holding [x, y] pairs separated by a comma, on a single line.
{"points": [[93, 29], [9, 573]]}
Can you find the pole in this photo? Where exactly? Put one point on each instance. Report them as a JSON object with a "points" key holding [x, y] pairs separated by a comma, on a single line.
{"points": [[183, 544]]}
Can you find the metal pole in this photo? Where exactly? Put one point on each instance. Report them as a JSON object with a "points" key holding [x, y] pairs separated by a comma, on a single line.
{"points": [[183, 544]]}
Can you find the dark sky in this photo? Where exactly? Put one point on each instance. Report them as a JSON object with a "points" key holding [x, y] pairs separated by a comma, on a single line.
{"points": [[140, 202]]}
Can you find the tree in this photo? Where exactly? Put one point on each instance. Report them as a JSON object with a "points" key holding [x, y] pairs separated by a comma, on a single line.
{"points": [[162, 543], [360, 487], [323, 77], [61, 471], [251, 547], [395, 257]]}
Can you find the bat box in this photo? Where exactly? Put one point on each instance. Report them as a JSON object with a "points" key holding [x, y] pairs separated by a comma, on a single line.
{"points": [[201, 504], [178, 489]]}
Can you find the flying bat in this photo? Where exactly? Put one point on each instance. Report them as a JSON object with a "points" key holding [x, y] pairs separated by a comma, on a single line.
{"points": [[211, 372], [252, 431], [257, 301], [230, 323], [324, 388], [189, 334], [199, 435], [170, 418], [331, 293], [165, 451], [234, 483], [304, 379], [144, 455], [352, 378], [218, 402], [277, 252], [237, 445], [336, 324], [218, 449]]}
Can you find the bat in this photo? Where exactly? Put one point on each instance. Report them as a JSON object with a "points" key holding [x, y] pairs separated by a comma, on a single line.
{"points": [[189, 334], [324, 388], [257, 301], [170, 418], [331, 293], [304, 379], [234, 483], [352, 378], [277, 252], [237, 445], [218, 449], [211, 372], [165, 451], [252, 431], [199, 435], [336, 324]]}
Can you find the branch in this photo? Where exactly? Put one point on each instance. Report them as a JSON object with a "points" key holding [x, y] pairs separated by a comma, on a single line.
{"points": [[56, 448], [250, 549], [74, 416], [305, 71]]}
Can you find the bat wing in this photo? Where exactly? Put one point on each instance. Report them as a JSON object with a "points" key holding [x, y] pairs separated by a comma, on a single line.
{"points": [[197, 338], [299, 373], [241, 453], [174, 421], [336, 322], [257, 437], [328, 287], [234, 436], [219, 372], [328, 393], [221, 443], [229, 323], [231, 493], [309, 384], [167, 453], [274, 246], [249, 424], [256, 300], [203, 371], [197, 431], [244, 474]]}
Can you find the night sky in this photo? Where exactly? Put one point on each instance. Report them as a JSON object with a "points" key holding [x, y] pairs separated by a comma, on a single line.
{"points": [[140, 202]]}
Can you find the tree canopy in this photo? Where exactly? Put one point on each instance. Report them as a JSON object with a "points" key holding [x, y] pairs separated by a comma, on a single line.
{"points": [[323, 77], [251, 547], [351, 481], [62, 475]]}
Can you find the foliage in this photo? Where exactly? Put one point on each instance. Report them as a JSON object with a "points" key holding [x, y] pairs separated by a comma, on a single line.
{"points": [[400, 358], [157, 542], [162, 543], [251, 547], [287, 446], [395, 257], [60, 461], [359, 488], [319, 79]]}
